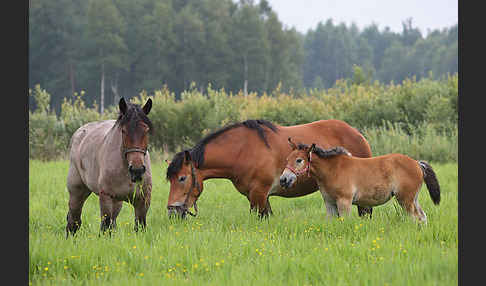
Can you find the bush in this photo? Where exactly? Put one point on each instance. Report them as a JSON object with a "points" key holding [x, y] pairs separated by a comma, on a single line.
{"points": [[414, 117], [46, 132]]}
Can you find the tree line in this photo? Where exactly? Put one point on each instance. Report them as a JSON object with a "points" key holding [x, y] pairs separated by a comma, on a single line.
{"points": [[114, 48]]}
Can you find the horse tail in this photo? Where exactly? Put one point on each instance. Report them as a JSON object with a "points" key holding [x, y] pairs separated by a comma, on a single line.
{"points": [[431, 181]]}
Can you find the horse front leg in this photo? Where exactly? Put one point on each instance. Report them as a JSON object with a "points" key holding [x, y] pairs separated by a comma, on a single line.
{"points": [[106, 211], [259, 200], [331, 206], [117, 205], [344, 206], [142, 205]]}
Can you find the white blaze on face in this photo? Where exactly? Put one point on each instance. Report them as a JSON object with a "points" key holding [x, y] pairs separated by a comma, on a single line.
{"points": [[289, 177]]}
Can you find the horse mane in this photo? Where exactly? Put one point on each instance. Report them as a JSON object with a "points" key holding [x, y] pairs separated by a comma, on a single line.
{"points": [[325, 153], [131, 117], [197, 152], [176, 164]]}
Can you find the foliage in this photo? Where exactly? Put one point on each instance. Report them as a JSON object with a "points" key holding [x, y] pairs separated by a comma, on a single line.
{"points": [[145, 44], [50, 135], [408, 117], [45, 130]]}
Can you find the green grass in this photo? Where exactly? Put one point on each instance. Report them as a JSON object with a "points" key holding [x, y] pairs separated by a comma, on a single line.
{"points": [[226, 245]]}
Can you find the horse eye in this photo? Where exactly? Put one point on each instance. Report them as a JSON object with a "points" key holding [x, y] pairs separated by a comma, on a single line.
{"points": [[298, 161], [182, 179]]}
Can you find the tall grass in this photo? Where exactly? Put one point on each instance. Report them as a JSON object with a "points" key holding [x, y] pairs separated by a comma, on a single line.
{"points": [[226, 245], [423, 142]]}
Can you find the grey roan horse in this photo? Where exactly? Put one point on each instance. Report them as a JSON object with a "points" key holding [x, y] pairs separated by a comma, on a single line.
{"points": [[110, 159]]}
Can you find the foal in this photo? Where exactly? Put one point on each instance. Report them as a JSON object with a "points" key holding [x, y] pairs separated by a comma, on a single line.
{"points": [[344, 180]]}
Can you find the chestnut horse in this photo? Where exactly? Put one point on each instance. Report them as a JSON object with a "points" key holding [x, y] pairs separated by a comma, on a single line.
{"points": [[110, 159], [344, 180], [252, 155]]}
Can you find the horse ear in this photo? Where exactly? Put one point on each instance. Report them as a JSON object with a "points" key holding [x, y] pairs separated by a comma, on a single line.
{"points": [[187, 157], [148, 105], [292, 144], [122, 105], [313, 146]]}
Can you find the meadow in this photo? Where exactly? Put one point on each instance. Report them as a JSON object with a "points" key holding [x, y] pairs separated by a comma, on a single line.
{"points": [[227, 245]]}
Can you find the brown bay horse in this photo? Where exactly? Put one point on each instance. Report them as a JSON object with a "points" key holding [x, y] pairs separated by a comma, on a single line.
{"points": [[110, 159], [252, 155], [345, 180]]}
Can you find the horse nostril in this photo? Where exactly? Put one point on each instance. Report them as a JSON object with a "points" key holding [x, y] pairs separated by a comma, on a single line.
{"points": [[283, 181], [177, 211], [137, 171]]}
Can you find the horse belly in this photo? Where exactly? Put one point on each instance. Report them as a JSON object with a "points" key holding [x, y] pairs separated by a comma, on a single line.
{"points": [[373, 197]]}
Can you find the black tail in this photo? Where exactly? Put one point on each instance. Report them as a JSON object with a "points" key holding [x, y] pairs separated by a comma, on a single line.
{"points": [[431, 181]]}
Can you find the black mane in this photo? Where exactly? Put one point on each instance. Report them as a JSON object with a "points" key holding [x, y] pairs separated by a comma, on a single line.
{"points": [[176, 164], [131, 117], [325, 153], [197, 152]]}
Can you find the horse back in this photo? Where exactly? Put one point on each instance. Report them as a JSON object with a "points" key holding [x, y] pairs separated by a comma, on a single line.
{"points": [[399, 169], [331, 133]]}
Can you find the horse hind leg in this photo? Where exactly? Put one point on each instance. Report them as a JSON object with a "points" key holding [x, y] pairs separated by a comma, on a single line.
{"points": [[78, 193], [419, 213], [363, 211], [73, 218], [410, 204]]}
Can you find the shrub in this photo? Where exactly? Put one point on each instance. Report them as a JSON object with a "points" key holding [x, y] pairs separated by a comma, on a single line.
{"points": [[414, 117]]}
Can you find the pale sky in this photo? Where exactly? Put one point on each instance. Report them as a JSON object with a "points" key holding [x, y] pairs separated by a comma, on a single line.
{"points": [[425, 14]]}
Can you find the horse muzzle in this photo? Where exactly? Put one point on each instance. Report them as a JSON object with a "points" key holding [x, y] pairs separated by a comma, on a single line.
{"points": [[180, 210], [136, 173], [287, 179], [176, 212]]}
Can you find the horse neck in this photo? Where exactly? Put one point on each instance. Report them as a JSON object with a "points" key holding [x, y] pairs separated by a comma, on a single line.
{"points": [[113, 144], [325, 168], [220, 155], [215, 166]]}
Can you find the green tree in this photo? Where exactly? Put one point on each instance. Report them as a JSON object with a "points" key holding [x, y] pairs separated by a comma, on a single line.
{"points": [[152, 64], [216, 51], [250, 49], [55, 40], [190, 37], [105, 31]]}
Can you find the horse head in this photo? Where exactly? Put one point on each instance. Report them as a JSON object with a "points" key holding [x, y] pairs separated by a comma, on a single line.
{"points": [[186, 185], [298, 162], [135, 127]]}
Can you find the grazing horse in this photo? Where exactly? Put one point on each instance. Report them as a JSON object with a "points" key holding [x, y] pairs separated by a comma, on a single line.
{"points": [[252, 155], [344, 180], [110, 158]]}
